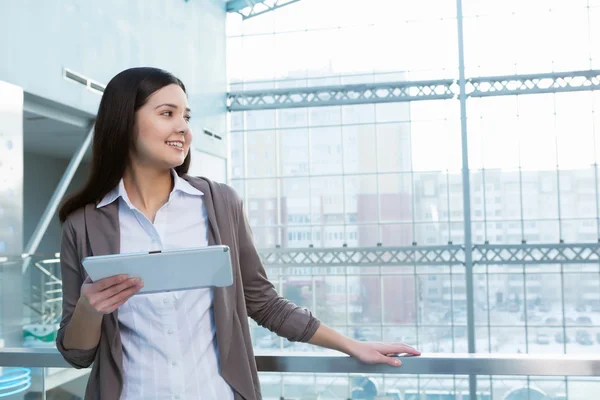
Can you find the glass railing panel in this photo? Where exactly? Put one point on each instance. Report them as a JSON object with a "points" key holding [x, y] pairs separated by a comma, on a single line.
{"points": [[32, 323], [276, 386], [32, 315]]}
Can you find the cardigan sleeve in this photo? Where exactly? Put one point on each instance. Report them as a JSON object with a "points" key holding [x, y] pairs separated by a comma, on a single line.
{"points": [[263, 303], [72, 279]]}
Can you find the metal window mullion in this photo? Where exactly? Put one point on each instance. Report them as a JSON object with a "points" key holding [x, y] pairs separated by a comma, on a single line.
{"points": [[483, 183], [448, 205], [597, 198], [229, 157], [560, 232], [525, 308], [418, 297], [379, 234], [595, 170], [280, 339], [278, 196], [597, 202], [487, 295], [466, 196], [523, 266], [343, 176], [346, 279], [412, 183], [412, 189], [589, 21], [595, 191], [347, 303], [450, 269], [245, 152], [382, 303], [521, 206], [418, 304], [487, 266], [314, 290], [466, 178], [484, 202], [310, 171]]}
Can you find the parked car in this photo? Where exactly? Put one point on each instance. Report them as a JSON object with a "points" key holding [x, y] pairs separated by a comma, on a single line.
{"points": [[542, 338], [514, 307], [584, 338], [583, 320], [560, 338], [458, 316], [544, 307], [532, 317]]}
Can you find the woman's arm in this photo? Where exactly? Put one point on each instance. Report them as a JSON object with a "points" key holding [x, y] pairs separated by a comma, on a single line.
{"points": [[297, 324], [84, 304], [96, 300], [83, 330], [263, 303], [370, 353]]}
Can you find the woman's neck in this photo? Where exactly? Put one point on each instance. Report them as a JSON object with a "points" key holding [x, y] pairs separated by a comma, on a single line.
{"points": [[148, 189]]}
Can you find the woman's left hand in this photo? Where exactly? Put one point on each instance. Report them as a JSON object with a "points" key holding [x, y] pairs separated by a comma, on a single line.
{"points": [[381, 353]]}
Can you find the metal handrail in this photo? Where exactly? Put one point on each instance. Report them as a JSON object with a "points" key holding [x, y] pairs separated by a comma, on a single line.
{"points": [[333, 363]]}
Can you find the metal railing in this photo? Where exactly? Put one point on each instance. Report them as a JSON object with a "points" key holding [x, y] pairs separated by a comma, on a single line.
{"points": [[431, 363], [452, 370], [521, 367]]}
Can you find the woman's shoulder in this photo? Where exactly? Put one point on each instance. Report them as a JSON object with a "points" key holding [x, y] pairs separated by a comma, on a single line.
{"points": [[76, 218], [218, 188]]}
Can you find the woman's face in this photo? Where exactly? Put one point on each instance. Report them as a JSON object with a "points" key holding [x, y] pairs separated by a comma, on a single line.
{"points": [[162, 132]]}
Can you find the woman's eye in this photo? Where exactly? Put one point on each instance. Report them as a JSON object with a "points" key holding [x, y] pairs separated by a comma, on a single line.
{"points": [[167, 113], [187, 118]]}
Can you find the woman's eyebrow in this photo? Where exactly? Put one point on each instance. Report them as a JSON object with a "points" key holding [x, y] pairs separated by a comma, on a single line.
{"points": [[171, 106]]}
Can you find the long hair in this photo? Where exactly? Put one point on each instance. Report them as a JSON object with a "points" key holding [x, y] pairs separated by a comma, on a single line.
{"points": [[114, 138]]}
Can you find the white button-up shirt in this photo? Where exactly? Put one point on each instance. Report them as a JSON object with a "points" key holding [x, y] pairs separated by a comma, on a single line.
{"points": [[169, 343]]}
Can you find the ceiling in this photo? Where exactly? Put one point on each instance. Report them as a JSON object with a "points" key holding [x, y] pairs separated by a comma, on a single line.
{"points": [[42, 135], [52, 130]]}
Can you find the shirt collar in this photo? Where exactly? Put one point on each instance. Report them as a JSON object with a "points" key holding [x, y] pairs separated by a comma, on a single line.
{"points": [[184, 186], [180, 185]]}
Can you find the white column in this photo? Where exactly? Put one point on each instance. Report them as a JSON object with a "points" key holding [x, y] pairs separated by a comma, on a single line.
{"points": [[11, 211]]}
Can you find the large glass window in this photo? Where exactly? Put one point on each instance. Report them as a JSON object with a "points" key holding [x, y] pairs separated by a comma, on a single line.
{"points": [[389, 174]]}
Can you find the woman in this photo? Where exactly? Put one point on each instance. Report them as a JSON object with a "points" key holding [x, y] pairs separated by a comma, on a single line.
{"points": [[188, 344]]}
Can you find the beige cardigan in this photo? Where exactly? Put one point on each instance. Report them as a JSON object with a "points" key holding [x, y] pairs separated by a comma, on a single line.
{"points": [[92, 231]]}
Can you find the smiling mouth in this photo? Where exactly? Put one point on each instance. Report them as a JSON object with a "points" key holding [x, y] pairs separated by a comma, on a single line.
{"points": [[175, 145]]}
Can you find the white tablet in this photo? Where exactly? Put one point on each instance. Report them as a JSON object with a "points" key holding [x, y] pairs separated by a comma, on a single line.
{"points": [[167, 270]]}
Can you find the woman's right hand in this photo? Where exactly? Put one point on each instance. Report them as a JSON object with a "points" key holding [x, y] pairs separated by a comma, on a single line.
{"points": [[108, 294]]}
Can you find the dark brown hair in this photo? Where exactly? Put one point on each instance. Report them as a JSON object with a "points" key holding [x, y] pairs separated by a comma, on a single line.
{"points": [[126, 93]]}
